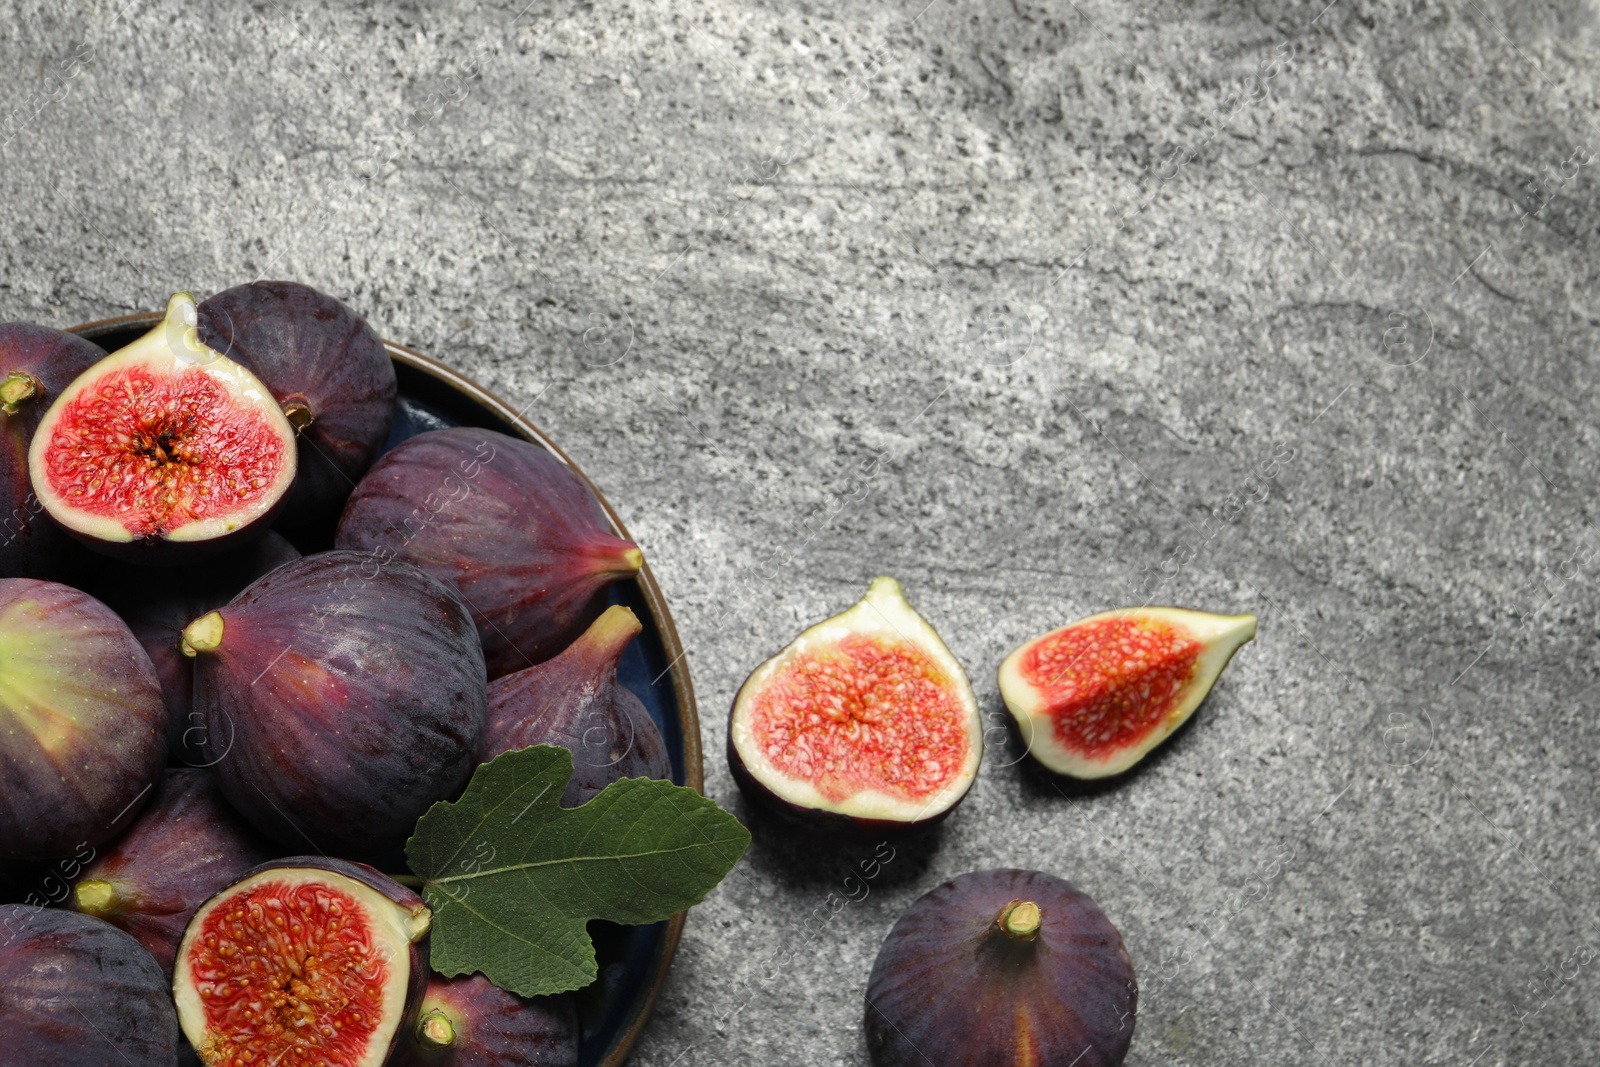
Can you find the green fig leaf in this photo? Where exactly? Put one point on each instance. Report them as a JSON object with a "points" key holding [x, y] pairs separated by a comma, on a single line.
{"points": [[513, 877]]}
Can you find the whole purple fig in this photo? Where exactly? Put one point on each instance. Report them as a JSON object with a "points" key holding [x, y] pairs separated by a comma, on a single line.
{"points": [[186, 844], [327, 368], [575, 701], [1001, 967], [36, 363], [339, 700], [518, 532], [75, 992], [471, 1022]]}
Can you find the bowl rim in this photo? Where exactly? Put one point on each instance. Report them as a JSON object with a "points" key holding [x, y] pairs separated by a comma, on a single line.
{"points": [[655, 602]]}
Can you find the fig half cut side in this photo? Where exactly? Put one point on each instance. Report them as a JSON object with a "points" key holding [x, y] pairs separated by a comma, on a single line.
{"points": [[305, 961], [164, 450], [865, 721], [1094, 698]]}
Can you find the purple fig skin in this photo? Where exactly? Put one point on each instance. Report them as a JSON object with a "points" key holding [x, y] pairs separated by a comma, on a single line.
{"points": [[36, 363], [341, 701], [575, 701], [185, 846], [471, 1022], [520, 534], [76, 992], [321, 361], [970, 972], [415, 951], [157, 603], [82, 725]]}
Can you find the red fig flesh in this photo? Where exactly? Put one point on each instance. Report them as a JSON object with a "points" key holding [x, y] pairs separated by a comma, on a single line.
{"points": [[82, 726], [520, 534], [1003, 967], [185, 846], [339, 700], [36, 363], [866, 716], [326, 367], [164, 449], [470, 1022], [75, 992], [307, 962], [1093, 698], [575, 701]]}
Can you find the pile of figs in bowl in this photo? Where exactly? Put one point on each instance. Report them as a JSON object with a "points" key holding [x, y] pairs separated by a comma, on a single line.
{"points": [[269, 590]]}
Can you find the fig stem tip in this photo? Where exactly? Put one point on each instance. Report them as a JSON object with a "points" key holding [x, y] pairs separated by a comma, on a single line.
{"points": [[203, 635], [435, 1031], [1021, 919]]}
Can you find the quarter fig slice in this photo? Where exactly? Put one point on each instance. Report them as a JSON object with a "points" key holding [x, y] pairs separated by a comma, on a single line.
{"points": [[1002, 968], [1091, 699], [186, 845], [327, 368], [75, 992], [339, 700], [470, 1022], [305, 960], [163, 450], [576, 701], [864, 722], [82, 726], [519, 533], [36, 363]]}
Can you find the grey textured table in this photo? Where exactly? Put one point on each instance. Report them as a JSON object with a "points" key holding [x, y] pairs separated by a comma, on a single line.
{"points": [[1042, 308]]}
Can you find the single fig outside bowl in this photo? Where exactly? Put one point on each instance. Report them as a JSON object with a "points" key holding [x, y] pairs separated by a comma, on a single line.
{"points": [[471, 1022], [187, 844], [865, 723], [1094, 698], [36, 364], [158, 602], [575, 701], [519, 533], [304, 960], [328, 370], [75, 992], [163, 451], [82, 725], [1001, 967], [339, 700]]}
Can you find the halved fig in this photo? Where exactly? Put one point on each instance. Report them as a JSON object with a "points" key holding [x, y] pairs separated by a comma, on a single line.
{"points": [[339, 700], [163, 450], [186, 844], [36, 363], [1093, 698], [865, 722], [471, 1022], [75, 992], [326, 367], [520, 534], [1002, 967], [575, 701], [303, 961], [82, 726]]}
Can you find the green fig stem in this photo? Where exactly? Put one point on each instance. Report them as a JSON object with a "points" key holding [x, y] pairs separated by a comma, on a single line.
{"points": [[202, 635], [608, 635], [436, 1031], [631, 561], [298, 411], [97, 897], [18, 388], [1020, 919], [408, 879]]}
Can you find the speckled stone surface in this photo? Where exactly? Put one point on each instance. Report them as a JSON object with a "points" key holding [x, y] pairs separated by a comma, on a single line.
{"points": [[1041, 308]]}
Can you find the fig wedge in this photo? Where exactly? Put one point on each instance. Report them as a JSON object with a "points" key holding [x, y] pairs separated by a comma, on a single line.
{"points": [[163, 451], [1094, 698], [864, 723]]}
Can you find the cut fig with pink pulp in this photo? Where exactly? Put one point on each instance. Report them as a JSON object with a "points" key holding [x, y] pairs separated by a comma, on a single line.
{"points": [[305, 961], [164, 450], [576, 701], [866, 721], [1093, 698]]}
